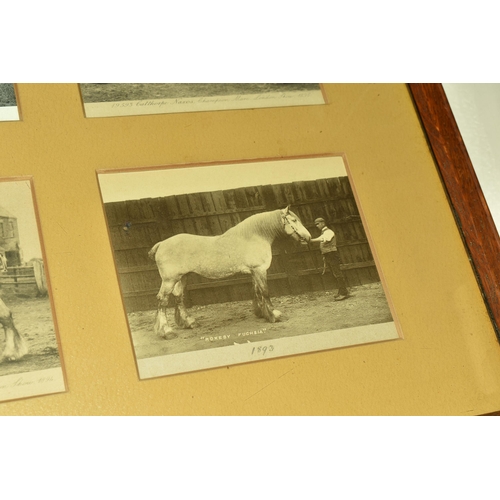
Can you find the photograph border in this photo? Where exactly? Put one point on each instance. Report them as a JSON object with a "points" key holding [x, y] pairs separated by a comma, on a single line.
{"points": [[30, 179], [150, 368], [181, 109], [12, 109]]}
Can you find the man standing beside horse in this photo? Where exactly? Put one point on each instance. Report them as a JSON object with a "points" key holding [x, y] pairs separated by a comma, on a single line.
{"points": [[331, 258]]}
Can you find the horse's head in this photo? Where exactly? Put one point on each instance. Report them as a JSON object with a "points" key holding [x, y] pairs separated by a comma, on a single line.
{"points": [[293, 227]]}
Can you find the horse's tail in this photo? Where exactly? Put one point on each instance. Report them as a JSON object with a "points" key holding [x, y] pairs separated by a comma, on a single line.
{"points": [[152, 252]]}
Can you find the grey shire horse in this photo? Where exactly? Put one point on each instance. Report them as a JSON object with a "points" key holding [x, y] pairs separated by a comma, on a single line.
{"points": [[244, 248]]}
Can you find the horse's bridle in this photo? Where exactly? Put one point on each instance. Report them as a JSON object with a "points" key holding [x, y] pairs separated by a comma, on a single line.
{"points": [[284, 218]]}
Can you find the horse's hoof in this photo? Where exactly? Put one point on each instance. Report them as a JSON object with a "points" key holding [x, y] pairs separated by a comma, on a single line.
{"points": [[166, 333], [11, 357], [277, 315], [170, 336]]}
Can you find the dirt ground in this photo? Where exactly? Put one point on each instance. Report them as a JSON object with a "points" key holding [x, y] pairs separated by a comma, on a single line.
{"points": [[33, 319], [225, 324]]}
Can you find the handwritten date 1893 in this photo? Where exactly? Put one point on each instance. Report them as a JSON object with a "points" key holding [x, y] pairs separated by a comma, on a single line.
{"points": [[262, 350]]}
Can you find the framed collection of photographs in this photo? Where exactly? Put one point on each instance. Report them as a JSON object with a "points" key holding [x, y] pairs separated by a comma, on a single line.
{"points": [[206, 253]]}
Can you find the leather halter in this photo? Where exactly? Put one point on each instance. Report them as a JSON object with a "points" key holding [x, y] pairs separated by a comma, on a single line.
{"points": [[284, 219]]}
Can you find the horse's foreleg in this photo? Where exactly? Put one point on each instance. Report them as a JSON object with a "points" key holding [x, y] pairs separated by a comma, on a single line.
{"points": [[161, 327], [262, 302], [15, 346], [181, 316]]}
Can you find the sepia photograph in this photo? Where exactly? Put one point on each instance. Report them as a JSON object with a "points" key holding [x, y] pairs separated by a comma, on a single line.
{"points": [[231, 263], [126, 99], [8, 103], [30, 360]]}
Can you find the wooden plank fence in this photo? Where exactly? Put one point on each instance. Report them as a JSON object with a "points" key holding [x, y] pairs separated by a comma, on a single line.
{"points": [[25, 279], [136, 225]]}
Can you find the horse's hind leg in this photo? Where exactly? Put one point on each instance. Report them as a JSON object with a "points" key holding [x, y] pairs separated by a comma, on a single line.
{"points": [[161, 327], [262, 302], [181, 316], [257, 301]]}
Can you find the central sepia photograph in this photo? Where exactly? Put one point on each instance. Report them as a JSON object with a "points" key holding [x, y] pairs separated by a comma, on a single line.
{"points": [[230, 263]]}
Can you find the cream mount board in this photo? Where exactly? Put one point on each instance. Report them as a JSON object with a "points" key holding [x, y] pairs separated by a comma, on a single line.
{"points": [[449, 359]]}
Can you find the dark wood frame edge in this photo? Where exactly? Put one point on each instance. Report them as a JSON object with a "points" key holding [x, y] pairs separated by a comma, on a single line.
{"points": [[465, 195]]}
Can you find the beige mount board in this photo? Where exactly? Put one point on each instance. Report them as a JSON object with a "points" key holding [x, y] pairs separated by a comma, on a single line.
{"points": [[449, 360]]}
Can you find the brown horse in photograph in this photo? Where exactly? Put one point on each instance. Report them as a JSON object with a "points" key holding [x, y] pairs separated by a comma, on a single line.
{"points": [[244, 248]]}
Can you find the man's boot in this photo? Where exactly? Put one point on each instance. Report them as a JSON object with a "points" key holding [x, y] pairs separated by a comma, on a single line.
{"points": [[343, 293]]}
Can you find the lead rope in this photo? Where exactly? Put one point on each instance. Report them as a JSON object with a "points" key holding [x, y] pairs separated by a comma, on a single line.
{"points": [[285, 222]]}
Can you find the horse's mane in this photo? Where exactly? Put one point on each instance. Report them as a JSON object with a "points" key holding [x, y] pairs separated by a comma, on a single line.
{"points": [[265, 224]]}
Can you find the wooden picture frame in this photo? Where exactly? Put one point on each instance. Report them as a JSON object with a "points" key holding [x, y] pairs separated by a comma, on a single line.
{"points": [[469, 206]]}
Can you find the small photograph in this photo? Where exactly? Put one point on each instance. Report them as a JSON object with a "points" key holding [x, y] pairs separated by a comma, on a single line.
{"points": [[125, 99], [30, 359], [8, 103], [233, 263]]}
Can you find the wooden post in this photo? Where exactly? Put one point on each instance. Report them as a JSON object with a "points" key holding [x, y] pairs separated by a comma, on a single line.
{"points": [[41, 282]]}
